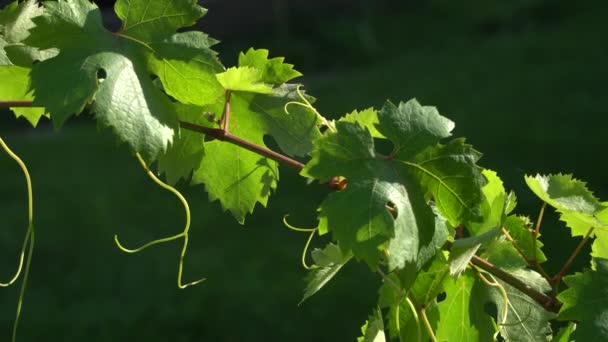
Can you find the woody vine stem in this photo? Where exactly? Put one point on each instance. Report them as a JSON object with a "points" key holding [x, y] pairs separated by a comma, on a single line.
{"points": [[549, 302]]}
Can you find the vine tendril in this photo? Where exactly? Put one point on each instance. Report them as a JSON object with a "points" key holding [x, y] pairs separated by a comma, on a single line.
{"points": [[416, 318], [28, 240], [308, 105], [503, 292], [312, 232], [183, 234]]}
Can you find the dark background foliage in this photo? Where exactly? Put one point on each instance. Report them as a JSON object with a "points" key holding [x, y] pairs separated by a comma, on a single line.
{"points": [[525, 82]]}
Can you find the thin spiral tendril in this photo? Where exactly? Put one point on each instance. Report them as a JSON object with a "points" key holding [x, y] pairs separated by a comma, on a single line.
{"points": [[312, 232], [28, 240], [183, 234]]}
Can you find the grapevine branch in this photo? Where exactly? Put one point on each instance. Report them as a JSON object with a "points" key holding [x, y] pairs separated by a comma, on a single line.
{"points": [[222, 134], [218, 133], [547, 302], [226, 136]]}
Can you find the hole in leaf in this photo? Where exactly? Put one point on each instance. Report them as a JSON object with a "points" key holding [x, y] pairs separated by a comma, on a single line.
{"points": [[268, 140], [383, 146], [441, 297], [392, 209], [101, 74], [491, 309], [322, 129]]}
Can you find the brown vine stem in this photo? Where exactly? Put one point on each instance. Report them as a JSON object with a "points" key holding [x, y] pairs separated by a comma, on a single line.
{"points": [[219, 134], [222, 135], [558, 277], [549, 303]]}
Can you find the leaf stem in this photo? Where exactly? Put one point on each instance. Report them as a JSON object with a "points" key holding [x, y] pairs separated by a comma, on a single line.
{"points": [[558, 277], [535, 235], [427, 324], [226, 116]]}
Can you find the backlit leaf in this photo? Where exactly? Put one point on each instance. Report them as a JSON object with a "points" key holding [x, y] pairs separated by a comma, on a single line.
{"points": [[384, 207], [586, 301], [329, 261], [112, 71], [274, 70]]}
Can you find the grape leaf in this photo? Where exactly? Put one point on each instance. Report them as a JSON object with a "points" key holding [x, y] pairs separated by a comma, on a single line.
{"points": [[449, 174], [401, 321], [586, 301], [244, 79], [358, 215], [526, 319], [577, 205], [256, 109], [599, 248], [329, 261], [520, 229], [15, 23], [429, 282], [431, 241], [563, 335], [239, 178], [580, 224], [187, 150], [463, 250], [274, 71], [373, 329], [412, 127], [366, 118], [565, 193], [15, 86], [493, 207], [187, 67], [504, 253], [113, 70], [3, 57], [461, 315], [149, 21]]}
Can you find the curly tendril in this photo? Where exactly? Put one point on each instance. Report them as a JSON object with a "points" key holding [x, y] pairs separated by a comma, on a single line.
{"points": [[503, 292], [183, 234], [306, 104], [312, 232], [28, 240]]}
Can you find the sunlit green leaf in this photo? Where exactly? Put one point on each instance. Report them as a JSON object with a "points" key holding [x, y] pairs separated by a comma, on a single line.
{"points": [[461, 314], [329, 261], [274, 70], [373, 329], [245, 79], [586, 301]]}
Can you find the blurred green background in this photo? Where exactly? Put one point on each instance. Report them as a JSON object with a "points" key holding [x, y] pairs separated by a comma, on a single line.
{"points": [[525, 82]]}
